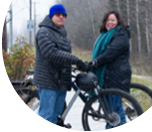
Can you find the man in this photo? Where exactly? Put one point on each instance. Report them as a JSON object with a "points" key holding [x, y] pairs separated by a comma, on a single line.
{"points": [[52, 73]]}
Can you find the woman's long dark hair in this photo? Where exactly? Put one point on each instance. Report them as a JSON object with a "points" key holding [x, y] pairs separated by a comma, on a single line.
{"points": [[119, 18]]}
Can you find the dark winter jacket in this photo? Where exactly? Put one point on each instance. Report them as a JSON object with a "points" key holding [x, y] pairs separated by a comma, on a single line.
{"points": [[53, 57], [116, 57]]}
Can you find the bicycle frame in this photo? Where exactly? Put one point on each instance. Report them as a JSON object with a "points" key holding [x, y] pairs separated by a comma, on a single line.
{"points": [[103, 103], [78, 93]]}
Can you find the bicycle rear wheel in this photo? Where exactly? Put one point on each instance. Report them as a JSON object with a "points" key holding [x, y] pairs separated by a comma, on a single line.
{"points": [[29, 97], [93, 116], [142, 94]]}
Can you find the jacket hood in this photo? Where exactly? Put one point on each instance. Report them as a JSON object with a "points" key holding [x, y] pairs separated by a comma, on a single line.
{"points": [[47, 22], [127, 31]]}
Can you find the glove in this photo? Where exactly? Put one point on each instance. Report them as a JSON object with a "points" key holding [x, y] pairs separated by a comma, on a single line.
{"points": [[82, 66], [92, 65]]}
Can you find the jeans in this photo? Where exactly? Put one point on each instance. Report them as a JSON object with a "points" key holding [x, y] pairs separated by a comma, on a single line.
{"points": [[115, 103], [51, 104]]}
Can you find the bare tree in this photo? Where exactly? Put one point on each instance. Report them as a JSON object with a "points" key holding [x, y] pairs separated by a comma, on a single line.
{"points": [[138, 27], [147, 30], [4, 37], [92, 23], [118, 5], [128, 21], [150, 25]]}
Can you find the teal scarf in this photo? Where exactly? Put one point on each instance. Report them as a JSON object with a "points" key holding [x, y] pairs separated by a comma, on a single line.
{"points": [[100, 46]]}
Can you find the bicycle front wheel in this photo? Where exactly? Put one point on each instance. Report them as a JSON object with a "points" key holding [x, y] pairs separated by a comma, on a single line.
{"points": [[93, 116]]}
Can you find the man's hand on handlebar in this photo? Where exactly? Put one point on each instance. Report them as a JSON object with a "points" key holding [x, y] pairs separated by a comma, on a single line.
{"points": [[82, 65]]}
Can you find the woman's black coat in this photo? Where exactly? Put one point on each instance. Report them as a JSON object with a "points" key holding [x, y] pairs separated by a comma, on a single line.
{"points": [[116, 57]]}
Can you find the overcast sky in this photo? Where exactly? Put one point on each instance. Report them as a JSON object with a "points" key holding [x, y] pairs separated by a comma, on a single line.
{"points": [[21, 14]]}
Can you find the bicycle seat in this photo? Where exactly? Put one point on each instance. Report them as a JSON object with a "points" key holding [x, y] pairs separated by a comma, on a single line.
{"points": [[87, 82], [31, 71]]}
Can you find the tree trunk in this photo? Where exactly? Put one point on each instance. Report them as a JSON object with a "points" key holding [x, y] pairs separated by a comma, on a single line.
{"points": [[118, 6], [128, 21], [91, 15], [138, 28], [147, 31], [4, 37]]}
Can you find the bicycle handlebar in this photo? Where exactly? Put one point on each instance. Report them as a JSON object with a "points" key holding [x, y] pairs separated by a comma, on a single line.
{"points": [[73, 69]]}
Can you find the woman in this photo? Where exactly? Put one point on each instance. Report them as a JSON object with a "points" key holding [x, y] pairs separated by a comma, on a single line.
{"points": [[111, 58]]}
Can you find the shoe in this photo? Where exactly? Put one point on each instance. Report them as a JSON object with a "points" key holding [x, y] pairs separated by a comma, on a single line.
{"points": [[60, 122]]}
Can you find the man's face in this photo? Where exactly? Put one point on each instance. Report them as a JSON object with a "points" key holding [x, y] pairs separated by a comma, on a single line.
{"points": [[59, 19]]}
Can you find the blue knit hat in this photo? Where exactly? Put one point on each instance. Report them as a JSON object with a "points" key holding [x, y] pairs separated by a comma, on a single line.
{"points": [[58, 8]]}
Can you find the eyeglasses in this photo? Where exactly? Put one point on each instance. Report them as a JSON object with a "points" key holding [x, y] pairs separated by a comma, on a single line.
{"points": [[59, 14]]}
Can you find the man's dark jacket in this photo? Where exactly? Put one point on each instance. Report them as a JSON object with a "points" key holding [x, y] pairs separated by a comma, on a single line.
{"points": [[53, 57], [116, 57]]}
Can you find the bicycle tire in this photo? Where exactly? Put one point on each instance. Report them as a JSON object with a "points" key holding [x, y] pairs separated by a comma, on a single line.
{"points": [[142, 94], [87, 118], [27, 94], [141, 87]]}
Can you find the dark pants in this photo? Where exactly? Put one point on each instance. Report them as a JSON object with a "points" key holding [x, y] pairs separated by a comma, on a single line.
{"points": [[115, 103]]}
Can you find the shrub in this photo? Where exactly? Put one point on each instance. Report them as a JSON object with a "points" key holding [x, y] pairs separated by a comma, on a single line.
{"points": [[20, 58]]}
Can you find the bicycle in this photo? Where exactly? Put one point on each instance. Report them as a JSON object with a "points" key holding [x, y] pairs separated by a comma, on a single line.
{"points": [[141, 93], [96, 108]]}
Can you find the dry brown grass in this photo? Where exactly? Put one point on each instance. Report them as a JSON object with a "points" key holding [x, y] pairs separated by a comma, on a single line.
{"points": [[85, 55]]}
